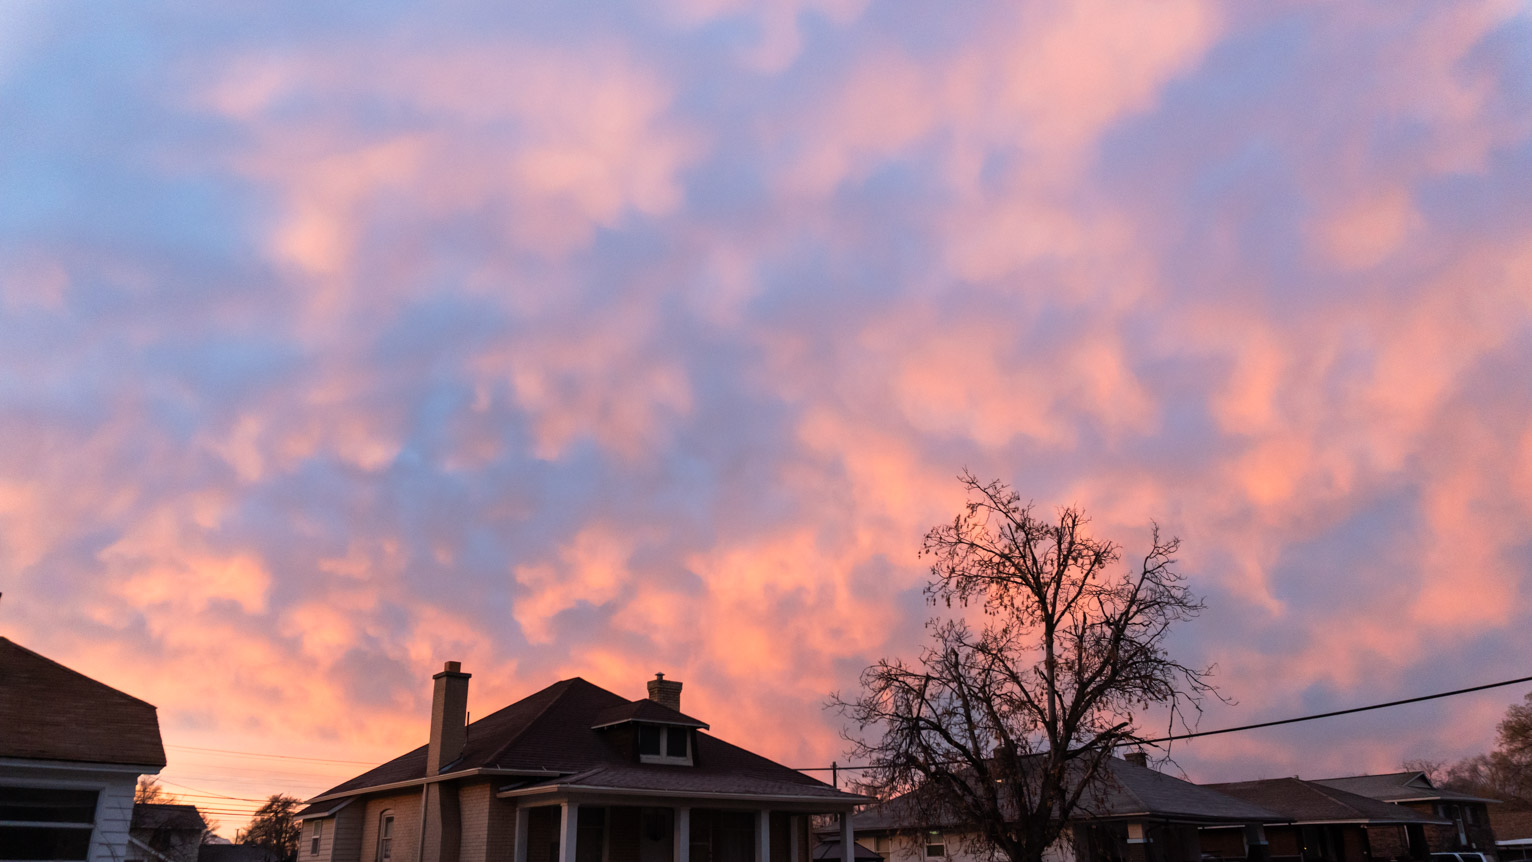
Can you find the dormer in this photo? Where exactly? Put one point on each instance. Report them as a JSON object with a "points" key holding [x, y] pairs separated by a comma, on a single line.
{"points": [[654, 729]]}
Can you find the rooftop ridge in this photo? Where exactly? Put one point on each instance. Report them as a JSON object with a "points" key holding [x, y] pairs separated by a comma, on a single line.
{"points": [[567, 684]]}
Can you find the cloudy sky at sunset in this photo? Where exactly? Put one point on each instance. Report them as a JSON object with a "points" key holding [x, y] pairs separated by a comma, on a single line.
{"points": [[577, 339]]}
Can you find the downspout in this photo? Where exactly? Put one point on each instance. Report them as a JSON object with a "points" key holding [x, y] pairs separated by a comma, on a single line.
{"points": [[420, 852]]}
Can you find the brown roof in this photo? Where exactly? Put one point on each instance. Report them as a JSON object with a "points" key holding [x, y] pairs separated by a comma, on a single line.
{"points": [[1302, 801], [50, 712], [1399, 787], [163, 815], [646, 711], [552, 732], [1125, 791]]}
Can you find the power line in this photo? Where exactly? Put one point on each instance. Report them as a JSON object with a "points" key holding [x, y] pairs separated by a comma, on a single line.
{"points": [[261, 755], [1281, 721]]}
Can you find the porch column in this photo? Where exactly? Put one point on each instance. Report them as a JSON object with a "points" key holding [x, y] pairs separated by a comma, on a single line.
{"points": [[1256, 849], [793, 821], [847, 839], [682, 837], [523, 824], [763, 836], [569, 830]]}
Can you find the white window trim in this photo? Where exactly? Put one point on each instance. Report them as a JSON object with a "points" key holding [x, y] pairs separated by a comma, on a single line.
{"points": [[664, 756]]}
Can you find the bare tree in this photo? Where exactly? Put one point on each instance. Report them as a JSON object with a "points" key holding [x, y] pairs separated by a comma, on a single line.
{"points": [[148, 789], [1003, 732], [273, 826], [1506, 772]]}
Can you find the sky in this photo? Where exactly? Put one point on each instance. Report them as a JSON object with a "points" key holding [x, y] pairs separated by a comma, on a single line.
{"points": [[592, 339]]}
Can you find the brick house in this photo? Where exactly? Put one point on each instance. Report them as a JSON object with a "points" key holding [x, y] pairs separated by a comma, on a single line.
{"points": [[1135, 815], [1324, 824], [71, 751], [1466, 826], [573, 773]]}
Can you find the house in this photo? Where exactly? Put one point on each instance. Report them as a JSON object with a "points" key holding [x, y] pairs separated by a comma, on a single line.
{"points": [[1513, 832], [1468, 827], [1324, 824], [572, 773], [1136, 815], [227, 852], [162, 832], [71, 751]]}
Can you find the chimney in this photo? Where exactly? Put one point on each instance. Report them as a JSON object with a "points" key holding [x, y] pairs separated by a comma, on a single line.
{"points": [[665, 692], [1137, 758], [449, 717]]}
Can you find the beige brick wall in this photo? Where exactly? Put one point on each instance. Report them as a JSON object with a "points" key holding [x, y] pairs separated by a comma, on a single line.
{"points": [[489, 824], [405, 807]]}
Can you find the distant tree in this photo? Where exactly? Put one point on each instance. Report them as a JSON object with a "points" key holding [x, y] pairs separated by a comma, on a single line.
{"points": [[1004, 732], [148, 789], [273, 826], [1506, 772]]}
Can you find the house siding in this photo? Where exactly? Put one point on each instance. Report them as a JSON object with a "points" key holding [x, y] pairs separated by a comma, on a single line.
{"points": [[488, 824], [114, 801], [406, 835]]}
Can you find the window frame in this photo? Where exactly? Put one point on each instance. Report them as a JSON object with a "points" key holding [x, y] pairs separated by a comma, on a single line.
{"points": [[316, 835], [665, 757], [385, 847]]}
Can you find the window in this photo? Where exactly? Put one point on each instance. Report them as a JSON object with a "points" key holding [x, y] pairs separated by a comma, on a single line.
{"points": [[42, 823], [385, 836], [664, 744], [316, 832], [936, 845]]}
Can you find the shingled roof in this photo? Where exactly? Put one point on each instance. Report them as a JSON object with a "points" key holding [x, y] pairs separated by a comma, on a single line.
{"points": [[1399, 787], [50, 712], [1126, 792], [552, 739], [1302, 801]]}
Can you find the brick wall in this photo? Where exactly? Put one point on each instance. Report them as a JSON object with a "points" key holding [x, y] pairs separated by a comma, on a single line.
{"points": [[405, 808]]}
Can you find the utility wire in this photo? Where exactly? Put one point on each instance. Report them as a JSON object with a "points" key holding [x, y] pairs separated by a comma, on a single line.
{"points": [[1262, 724], [278, 756]]}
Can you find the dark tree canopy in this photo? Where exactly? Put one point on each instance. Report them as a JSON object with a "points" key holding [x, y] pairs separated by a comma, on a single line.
{"points": [[274, 826], [1506, 772], [1003, 731]]}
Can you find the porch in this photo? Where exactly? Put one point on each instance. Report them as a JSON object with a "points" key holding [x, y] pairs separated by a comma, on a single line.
{"points": [[600, 831]]}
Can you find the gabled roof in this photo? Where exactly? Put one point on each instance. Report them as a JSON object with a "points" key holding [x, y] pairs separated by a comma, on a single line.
{"points": [[1300, 801], [50, 712], [549, 739], [1125, 792], [160, 815], [1399, 787], [646, 711]]}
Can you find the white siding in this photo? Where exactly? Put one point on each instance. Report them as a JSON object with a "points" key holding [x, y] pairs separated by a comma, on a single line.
{"points": [[114, 802]]}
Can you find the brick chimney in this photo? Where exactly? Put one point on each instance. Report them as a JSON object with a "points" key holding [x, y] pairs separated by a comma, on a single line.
{"points": [[666, 692], [1137, 758], [449, 717]]}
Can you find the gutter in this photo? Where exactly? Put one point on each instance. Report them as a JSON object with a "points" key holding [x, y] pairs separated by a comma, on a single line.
{"points": [[679, 794], [432, 779]]}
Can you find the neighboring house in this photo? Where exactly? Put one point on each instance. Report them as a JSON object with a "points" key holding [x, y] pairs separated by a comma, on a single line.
{"points": [[573, 773], [227, 852], [71, 751], [1467, 828], [1324, 824], [165, 833], [1136, 815], [827, 849], [1513, 832]]}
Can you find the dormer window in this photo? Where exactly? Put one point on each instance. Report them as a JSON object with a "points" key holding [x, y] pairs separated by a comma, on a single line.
{"points": [[659, 744]]}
